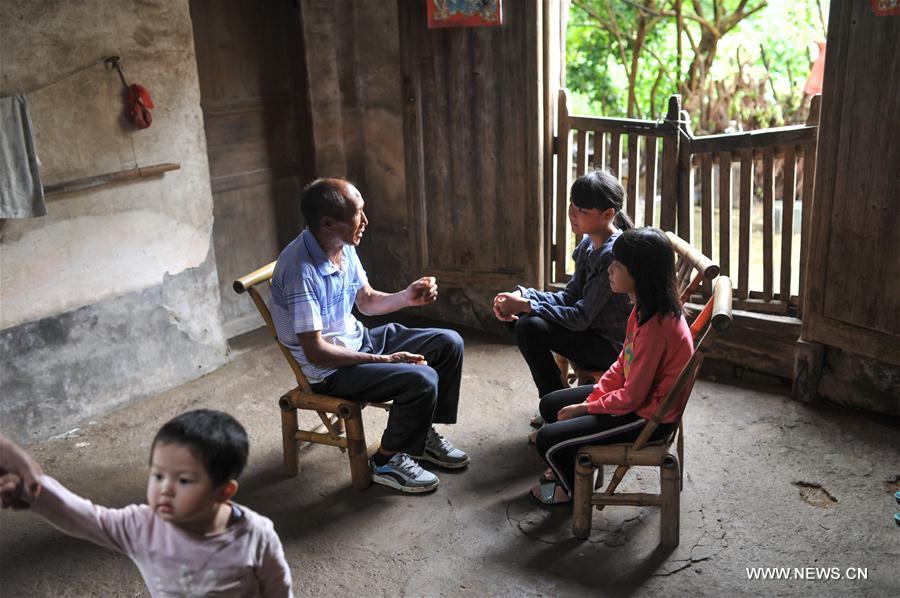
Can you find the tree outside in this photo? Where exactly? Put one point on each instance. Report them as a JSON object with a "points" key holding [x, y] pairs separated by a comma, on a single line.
{"points": [[738, 64]]}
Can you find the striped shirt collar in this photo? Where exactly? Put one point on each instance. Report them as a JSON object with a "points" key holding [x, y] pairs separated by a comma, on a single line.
{"points": [[324, 265]]}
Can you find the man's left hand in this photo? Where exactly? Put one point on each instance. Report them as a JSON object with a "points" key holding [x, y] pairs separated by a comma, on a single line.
{"points": [[422, 291]]}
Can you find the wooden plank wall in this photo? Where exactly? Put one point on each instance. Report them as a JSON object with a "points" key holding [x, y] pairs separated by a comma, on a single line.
{"points": [[473, 148], [257, 135], [853, 291]]}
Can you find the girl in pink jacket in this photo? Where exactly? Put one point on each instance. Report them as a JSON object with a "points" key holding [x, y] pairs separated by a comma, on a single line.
{"points": [[657, 346]]}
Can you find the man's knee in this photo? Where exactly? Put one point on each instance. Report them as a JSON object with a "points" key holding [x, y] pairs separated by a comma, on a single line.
{"points": [[422, 381], [453, 341]]}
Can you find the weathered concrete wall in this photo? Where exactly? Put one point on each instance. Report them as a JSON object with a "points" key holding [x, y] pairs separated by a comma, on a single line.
{"points": [[112, 295]]}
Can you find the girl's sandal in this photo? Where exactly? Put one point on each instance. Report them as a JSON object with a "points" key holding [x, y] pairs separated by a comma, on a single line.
{"points": [[548, 476], [537, 421], [551, 494]]}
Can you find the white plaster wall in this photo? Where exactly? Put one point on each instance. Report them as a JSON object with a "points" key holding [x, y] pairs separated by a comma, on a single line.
{"points": [[98, 244], [113, 295]]}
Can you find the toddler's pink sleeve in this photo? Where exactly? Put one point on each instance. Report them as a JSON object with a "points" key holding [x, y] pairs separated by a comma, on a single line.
{"points": [[79, 517]]}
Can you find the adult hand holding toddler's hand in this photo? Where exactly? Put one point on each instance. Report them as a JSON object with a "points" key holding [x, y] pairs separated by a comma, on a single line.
{"points": [[18, 472], [11, 492]]}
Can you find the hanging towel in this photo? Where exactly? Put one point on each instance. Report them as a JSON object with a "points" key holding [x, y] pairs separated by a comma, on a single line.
{"points": [[21, 192]]}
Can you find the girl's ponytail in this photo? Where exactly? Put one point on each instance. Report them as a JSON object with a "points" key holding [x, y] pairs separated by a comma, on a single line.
{"points": [[622, 221]]}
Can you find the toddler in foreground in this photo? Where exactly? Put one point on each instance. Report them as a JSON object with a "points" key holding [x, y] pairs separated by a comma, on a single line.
{"points": [[190, 539]]}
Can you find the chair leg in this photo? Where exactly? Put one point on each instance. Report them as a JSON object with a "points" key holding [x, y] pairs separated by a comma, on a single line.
{"points": [[681, 454], [356, 446], [289, 440], [563, 364], [584, 488], [670, 517]]}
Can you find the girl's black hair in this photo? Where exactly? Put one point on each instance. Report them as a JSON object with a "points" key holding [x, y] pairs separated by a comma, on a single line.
{"points": [[600, 189], [650, 259], [215, 438]]}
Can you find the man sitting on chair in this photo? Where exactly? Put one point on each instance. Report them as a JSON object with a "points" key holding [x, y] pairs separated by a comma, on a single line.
{"points": [[317, 280]]}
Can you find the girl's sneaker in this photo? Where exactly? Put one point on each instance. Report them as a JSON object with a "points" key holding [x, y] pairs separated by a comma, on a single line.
{"points": [[402, 473]]}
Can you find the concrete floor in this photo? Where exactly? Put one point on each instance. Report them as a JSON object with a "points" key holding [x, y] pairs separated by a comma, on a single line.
{"points": [[746, 502]]}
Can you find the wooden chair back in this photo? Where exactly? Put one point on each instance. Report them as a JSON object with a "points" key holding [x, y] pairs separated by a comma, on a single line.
{"points": [[688, 260], [248, 284]]}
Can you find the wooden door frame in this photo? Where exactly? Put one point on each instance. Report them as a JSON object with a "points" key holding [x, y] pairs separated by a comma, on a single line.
{"points": [[817, 327]]}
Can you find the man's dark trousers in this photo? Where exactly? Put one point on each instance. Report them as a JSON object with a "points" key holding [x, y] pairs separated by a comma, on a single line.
{"points": [[422, 394]]}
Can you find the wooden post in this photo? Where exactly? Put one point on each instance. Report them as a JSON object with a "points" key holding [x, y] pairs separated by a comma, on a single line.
{"points": [[634, 169], [808, 361], [746, 204], [563, 170], [725, 213], [581, 154], [288, 438], [671, 141], [806, 198], [582, 511], [670, 516], [599, 151], [681, 453], [787, 225], [768, 220], [615, 154], [356, 446], [685, 180], [650, 181], [706, 211]]}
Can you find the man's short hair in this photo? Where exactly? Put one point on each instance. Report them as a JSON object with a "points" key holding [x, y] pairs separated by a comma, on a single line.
{"points": [[321, 198], [215, 438]]}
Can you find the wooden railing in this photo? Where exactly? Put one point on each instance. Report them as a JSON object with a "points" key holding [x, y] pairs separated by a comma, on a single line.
{"points": [[684, 186]]}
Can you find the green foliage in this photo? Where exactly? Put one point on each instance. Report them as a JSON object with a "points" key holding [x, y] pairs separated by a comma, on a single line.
{"points": [[755, 80], [589, 63]]}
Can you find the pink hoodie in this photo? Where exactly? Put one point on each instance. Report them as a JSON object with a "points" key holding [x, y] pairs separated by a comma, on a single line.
{"points": [[651, 359]]}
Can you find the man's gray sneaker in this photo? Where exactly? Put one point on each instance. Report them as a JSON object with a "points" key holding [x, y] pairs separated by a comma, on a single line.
{"points": [[404, 474], [440, 451]]}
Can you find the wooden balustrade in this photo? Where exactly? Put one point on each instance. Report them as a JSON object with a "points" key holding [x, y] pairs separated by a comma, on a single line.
{"points": [[680, 184]]}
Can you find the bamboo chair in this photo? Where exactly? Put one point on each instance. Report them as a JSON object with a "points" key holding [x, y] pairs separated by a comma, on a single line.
{"points": [[715, 317], [337, 414]]}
